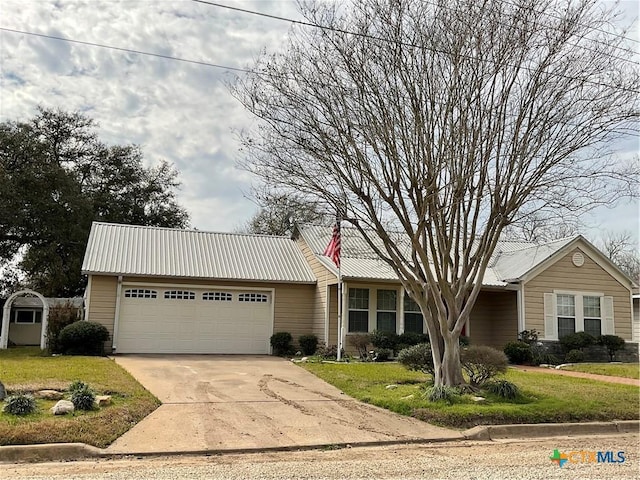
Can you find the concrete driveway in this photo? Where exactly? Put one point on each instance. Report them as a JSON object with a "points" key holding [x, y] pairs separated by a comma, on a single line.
{"points": [[230, 402]]}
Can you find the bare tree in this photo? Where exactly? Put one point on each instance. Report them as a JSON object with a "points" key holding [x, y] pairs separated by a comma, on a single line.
{"points": [[439, 123], [622, 249], [278, 211]]}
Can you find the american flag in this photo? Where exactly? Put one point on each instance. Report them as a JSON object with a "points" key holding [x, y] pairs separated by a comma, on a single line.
{"points": [[333, 249]]}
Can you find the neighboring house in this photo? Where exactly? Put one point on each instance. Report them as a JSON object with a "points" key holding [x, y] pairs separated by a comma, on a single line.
{"points": [[636, 316], [162, 290], [26, 318]]}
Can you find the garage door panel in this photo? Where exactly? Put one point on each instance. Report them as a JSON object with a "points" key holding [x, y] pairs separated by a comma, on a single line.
{"points": [[201, 325]]}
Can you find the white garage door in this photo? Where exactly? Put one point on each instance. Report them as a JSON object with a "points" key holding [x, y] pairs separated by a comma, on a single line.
{"points": [[175, 319]]}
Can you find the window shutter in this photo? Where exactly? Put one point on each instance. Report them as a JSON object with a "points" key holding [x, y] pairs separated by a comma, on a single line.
{"points": [[608, 327], [550, 321]]}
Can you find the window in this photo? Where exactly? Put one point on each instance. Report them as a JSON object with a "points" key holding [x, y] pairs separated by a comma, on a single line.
{"points": [[358, 310], [179, 295], [217, 296], [253, 297], [566, 311], [592, 316], [386, 310], [413, 321], [27, 316], [140, 293]]}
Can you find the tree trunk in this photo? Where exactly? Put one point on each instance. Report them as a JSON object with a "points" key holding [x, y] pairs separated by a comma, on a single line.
{"points": [[448, 370]]}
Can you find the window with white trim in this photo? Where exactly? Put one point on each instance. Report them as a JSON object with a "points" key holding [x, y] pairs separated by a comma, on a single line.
{"points": [[179, 295], [358, 310], [592, 315], [566, 312], [140, 293], [386, 303], [27, 316], [253, 297], [413, 319], [217, 296]]}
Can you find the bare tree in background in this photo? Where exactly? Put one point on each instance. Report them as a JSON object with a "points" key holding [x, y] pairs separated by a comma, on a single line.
{"points": [[622, 249], [440, 123], [278, 211]]}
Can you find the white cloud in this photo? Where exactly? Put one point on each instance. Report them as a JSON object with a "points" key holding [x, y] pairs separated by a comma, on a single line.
{"points": [[178, 111]]}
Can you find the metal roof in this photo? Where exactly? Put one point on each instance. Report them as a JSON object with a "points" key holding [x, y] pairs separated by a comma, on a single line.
{"points": [[510, 261], [167, 252]]}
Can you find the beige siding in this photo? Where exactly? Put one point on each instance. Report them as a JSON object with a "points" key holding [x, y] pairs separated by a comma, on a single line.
{"points": [[494, 319], [293, 306], [636, 319], [102, 303], [324, 278], [590, 277]]}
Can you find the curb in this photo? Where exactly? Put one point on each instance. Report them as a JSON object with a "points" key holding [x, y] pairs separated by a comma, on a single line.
{"points": [[541, 430], [48, 452], [79, 451]]}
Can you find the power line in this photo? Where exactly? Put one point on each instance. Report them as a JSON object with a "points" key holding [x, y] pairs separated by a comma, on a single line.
{"points": [[128, 50], [406, 44], [372, 37]]}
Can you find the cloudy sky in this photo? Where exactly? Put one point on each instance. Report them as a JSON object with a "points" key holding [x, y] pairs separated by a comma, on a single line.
{"points": [[179, 111]]}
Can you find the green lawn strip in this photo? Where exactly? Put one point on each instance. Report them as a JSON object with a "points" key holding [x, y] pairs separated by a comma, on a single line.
{"points": [[27, 369], [627, 370], [546, 398]]}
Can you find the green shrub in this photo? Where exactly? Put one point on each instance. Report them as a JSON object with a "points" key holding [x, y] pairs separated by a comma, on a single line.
{"points": [[383, 355], [464, 341], [410, 338], [519, 353], [417, 358], [361, 342], [329, 353], [482, 363], [504, 389], [83, 397], [59, 317], [574, 356], [529, 336], [308, 344], [20, 404], [83, 338], [281, 343], [576, 341], [612, 343], [381, 339], [441, 393]]}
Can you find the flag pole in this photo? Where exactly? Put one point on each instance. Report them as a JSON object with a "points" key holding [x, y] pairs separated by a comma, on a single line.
{"points": [[340, 286]]}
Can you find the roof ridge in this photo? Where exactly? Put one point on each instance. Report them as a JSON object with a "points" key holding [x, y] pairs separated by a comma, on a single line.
{"points": [[191, 230]]}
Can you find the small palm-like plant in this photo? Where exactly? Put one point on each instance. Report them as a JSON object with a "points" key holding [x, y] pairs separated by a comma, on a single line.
{"points": [[504, 389], [83, 398], [20, 404]]}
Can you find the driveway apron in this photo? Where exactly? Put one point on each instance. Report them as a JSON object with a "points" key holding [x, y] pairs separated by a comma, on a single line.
{"points": [[234, 402]]}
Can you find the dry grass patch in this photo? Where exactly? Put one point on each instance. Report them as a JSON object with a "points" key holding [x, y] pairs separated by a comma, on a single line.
{"points": [[26, 369]]}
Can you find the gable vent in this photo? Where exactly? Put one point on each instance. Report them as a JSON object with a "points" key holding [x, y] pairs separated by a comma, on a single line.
{"points": [[578, 259]]}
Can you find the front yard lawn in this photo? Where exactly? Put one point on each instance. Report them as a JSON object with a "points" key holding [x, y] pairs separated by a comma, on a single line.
{"points": [[628, 370], [27, 369], [546, 398]]}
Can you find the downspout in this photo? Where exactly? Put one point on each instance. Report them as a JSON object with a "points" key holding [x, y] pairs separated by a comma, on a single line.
{"points": [[116, 320], [327, 311], [520, 303]]}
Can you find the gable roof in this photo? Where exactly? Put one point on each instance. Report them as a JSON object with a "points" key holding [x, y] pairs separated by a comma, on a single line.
{"points": [[512, 261], [116, 249]]}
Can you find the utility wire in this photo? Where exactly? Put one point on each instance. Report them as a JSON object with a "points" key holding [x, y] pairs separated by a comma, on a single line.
{"points": [[406, 44], [128, 50], [372, 37]]}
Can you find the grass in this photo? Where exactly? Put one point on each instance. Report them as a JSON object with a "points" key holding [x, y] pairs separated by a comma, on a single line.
{"points": [[627, 370], [545, 398], [27, 369]]}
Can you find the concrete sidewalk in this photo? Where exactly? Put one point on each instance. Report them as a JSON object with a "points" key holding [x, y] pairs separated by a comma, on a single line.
{"points": [[570, 373]]}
